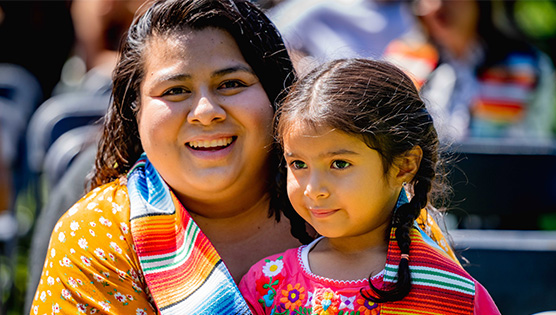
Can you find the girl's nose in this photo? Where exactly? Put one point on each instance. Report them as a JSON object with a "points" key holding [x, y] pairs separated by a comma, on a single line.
{"points": [[316, 188], [206, 111]]}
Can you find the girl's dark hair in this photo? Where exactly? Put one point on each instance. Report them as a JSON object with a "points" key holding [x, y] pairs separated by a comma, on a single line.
{"points": [[257, 38], [378, 103]]}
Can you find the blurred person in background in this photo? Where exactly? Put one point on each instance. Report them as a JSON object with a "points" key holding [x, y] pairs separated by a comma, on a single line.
{"points": [[319, 30], [99, 26], [481, 81]]}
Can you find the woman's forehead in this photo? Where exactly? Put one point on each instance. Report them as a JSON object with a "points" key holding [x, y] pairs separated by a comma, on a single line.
{"points": [[193, 49]]}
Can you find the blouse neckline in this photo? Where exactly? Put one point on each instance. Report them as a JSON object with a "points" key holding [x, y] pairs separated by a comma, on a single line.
{"points": [[303, 257]]}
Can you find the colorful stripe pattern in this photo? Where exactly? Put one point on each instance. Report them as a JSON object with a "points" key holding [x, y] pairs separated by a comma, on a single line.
{"points": [[183, 271], [439, 285], [505, 92]]}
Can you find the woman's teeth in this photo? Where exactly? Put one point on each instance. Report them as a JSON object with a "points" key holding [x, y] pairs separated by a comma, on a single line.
{"points": [[210, 144]]}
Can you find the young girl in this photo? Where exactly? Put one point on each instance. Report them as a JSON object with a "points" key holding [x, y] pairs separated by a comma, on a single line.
{"points": [[356, 135]]}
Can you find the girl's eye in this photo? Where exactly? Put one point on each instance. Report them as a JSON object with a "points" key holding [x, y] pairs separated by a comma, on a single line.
{"points": [[232, 84], [339, 164], [298, 165]]}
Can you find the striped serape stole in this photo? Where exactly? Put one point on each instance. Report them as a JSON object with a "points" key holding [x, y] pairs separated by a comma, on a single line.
{"points": [[183, 271], [439, 285]]}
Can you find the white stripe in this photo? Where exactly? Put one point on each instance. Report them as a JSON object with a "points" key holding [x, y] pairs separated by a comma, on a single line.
{"points": [[418, 278]]}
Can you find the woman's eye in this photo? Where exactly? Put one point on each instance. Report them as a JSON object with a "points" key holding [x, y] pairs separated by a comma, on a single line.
{"points": [[175, 91], [339, 164], [297, 165], [232, 84]]}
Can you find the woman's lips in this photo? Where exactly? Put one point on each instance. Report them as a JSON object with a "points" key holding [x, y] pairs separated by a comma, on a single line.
{"points": [[214, 149], [322, 213], [211, 145]]}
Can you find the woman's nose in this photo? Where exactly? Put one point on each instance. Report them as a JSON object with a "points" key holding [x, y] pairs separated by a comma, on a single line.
{"points": [[205, 111]]}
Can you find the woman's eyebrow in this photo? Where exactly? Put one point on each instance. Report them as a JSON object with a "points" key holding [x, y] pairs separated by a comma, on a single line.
{"points": [[173, 78], [229, 70]]}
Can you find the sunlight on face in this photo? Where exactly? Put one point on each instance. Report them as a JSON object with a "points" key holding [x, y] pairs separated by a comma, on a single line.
{"points": [[337, 183], [205, 119]]}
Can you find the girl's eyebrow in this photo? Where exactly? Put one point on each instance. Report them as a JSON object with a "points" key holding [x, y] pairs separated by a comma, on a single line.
{"points": [[339, 152], [328, 154]]}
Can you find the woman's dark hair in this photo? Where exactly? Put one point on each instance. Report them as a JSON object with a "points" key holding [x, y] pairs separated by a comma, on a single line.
{"points": [[378, 103], [257, 38]]}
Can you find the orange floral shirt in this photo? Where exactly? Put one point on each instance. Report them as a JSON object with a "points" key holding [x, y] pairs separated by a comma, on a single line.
{"points": [[91, 266]]}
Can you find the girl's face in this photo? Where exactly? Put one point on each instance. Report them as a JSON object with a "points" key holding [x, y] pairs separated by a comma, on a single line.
{"points": [[205, 120], [337, 183]]}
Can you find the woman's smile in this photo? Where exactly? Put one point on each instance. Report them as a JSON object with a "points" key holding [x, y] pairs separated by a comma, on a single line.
{"points": [[215, 149], [205, 119]]}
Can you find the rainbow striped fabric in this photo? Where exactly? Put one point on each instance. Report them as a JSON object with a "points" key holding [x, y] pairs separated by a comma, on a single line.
{"points": [[439, 285], [183, 271]]}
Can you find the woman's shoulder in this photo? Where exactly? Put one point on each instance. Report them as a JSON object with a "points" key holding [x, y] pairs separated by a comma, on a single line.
{"points": [[110, 200]]}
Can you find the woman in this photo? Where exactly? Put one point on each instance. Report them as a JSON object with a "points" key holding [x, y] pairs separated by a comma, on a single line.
{"points": [[195, 89]]}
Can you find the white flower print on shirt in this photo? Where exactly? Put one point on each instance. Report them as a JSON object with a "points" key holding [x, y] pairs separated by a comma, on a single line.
{"points": [[115, 247], [100, 253], [66, 294], [104, 221], [62, 237], [82, 243], [74, 226]]}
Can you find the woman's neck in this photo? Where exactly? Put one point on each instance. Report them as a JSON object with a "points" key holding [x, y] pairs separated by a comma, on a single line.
{"points": [[247, 236]]}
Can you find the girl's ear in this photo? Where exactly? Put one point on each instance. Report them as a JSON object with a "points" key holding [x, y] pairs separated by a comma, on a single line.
{"points": [[408, 165]]}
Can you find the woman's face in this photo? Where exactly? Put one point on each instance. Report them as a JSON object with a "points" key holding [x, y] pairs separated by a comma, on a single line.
{"points": [[205, 120]]}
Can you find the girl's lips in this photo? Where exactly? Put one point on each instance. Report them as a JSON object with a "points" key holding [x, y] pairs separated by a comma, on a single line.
{"points": [[322, 213]]}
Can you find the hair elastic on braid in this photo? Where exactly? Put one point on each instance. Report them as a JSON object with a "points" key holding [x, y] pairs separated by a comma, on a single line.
{"points": [[405, 256]]}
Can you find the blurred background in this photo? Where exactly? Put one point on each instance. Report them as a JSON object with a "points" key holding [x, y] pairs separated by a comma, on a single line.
{"points": [[485, 69]]}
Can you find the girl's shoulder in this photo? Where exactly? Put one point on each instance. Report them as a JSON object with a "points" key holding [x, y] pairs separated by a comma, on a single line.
{"points": [[275, 264]]}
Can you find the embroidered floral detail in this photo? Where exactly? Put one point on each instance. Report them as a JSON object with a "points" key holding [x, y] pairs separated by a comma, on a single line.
{"points": [[309, 299], [280, 309], [346, 302], [273, 268], [325, 302], [266, 286], [267, 299], [293, 296], [367, 307]]}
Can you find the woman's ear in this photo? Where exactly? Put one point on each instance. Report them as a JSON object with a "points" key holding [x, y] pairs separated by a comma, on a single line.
{"points": [[408, 164]]}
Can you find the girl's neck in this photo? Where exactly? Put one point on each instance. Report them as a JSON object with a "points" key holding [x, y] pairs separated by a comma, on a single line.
{"points": [[348, 258]]}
